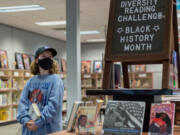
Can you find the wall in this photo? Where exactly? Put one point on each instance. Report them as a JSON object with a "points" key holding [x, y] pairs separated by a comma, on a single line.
{"points": [[16, 40]]}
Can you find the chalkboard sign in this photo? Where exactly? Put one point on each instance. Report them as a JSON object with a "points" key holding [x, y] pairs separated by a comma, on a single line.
{"points": [[139, 28]]}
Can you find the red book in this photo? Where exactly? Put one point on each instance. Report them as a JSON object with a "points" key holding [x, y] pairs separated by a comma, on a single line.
{"points": [[162, 119]]}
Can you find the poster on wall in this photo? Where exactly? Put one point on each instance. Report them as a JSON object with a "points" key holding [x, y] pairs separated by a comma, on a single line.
{"points": [[3, 59], [97, 66], [19, 61], [26, 61], [86, 66]]}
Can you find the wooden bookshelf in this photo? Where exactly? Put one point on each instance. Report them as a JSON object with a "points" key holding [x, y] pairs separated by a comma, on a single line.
{"points": [[141, 79], [12, 82]]}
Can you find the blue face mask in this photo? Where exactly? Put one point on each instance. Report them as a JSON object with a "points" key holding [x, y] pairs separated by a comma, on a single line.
{"points": [[45, 63]]}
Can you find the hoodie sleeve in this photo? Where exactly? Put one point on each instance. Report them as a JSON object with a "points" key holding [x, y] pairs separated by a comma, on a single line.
{"points": [[22, 115], [54, 103]]}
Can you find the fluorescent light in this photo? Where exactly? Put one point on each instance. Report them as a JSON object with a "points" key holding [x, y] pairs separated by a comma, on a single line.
{"points": [[21, 8], [96, 40], [50, 23], [89, 32]]}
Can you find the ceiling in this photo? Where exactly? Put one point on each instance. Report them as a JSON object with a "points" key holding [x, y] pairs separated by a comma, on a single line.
{"points": [[93, 16]]}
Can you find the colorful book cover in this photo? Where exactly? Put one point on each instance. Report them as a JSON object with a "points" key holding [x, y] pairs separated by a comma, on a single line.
{"points": [[86, 66], [162, 119], [86, 120], [73, 115], [124, 118], [3, 59], [19, 61], [26, 61], [63, 65], [97, 66]]}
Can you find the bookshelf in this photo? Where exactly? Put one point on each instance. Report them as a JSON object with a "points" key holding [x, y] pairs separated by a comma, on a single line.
{"points": [[12, 82], [141, 79]]}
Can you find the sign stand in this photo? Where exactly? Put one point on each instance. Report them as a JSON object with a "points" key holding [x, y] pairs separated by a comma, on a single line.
{"points": [[141, 38]]}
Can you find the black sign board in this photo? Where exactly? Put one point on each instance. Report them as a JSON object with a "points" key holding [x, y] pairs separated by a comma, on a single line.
{"points": [[138, 28]]}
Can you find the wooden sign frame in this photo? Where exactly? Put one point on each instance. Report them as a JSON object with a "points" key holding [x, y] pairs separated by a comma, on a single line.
{"points": [[170, 43]]}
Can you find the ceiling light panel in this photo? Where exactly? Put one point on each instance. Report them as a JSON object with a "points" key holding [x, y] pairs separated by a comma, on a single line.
{"points": [[21, 8]]}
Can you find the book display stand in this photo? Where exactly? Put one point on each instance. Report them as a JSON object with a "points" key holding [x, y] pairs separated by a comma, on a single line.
{"points": [[136, 37]]}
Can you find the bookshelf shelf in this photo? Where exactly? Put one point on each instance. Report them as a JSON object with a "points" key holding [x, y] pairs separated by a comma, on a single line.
{"points": [[3, 106], [5, 90]]}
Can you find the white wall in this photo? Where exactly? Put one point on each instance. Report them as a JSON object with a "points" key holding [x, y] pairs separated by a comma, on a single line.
{"points": [[92, 51], [16, 40]]}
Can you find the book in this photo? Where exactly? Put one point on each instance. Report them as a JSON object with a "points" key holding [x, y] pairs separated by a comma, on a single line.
{"points": [[86, 66], [34, 112], [3, 59], [26, 61], [63, 65], [86, 120], [19, 61], [162, 119], [124, 118], [72, 118], [97, 66]]}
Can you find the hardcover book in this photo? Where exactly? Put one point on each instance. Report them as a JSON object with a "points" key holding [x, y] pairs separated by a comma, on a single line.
{"points": [[26, 61], [97, 66], [73, 116], [86, 120], [3, 59], [86, 66], [124, 118], [19, 61], [162, 119], [63, 65], [34, 112]]}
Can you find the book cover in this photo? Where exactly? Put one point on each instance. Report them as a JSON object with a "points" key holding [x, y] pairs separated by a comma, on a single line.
{"points": [[19, 61], [26, 61], [86, 120], [73, 116], [63, 65], [162, 119], [3, 59], [86, 66], [97, 66], [124, 118], [34, 112]]}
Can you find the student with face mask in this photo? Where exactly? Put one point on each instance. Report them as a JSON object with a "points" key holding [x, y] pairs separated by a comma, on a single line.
{"points": [[45, 90]]}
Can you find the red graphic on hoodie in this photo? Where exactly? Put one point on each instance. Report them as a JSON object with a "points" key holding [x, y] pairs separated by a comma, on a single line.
{"points": [[36, 96]]}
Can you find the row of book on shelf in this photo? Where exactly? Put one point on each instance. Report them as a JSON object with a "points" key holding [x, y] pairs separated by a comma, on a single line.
{"points": [[14, 83], [4, 98], [5, 114], [121, 118]]}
